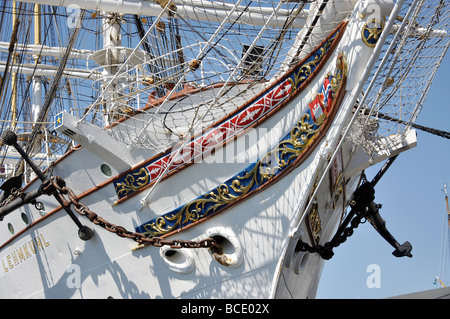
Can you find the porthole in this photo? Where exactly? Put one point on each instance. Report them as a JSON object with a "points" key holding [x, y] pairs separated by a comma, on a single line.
{"points": [[11, 228], [25, 218], [106, 170]]}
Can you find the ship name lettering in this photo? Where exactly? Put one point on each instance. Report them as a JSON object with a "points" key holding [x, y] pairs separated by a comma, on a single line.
{"points": [[24, 252]]}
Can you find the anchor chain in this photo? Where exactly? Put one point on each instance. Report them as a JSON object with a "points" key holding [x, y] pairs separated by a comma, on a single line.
{"points": [[57, 185]]}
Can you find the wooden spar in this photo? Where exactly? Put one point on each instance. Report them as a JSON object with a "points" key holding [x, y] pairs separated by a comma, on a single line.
{"points": [[209, 11], [37, 95], [14, 76], [446, 202]]}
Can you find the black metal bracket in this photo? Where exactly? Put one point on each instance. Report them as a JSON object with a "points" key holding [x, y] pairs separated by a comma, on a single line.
{"points": [[10, 138], [25, 198]]}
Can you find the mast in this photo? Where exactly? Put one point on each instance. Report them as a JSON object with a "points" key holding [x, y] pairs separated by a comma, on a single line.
{"points": [[37, 95], [14, 77], [445, 233], [446, 202], [448, 211], [113, 58]]}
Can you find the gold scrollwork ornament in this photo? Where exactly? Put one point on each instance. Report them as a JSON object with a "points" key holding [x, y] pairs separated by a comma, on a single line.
{"points": [[133, 182]]}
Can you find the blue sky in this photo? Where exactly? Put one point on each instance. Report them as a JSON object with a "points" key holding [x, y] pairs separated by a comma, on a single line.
{"points": [[414, 209]]}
